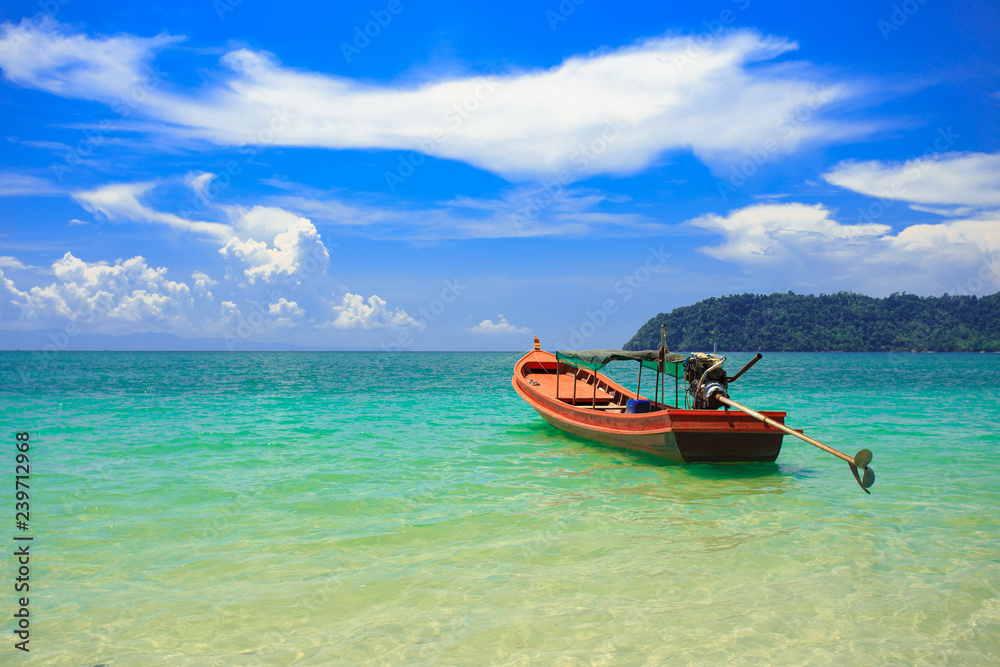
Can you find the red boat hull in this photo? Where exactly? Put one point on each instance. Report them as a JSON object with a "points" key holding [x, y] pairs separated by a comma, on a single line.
{"points": [[597, 412]]}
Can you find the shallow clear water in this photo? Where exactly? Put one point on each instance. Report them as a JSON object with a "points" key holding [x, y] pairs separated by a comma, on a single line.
{"points": [[367, 508]]}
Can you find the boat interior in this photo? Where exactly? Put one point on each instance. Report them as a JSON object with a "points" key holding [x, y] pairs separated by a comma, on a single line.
{"points": [[583, 388]]}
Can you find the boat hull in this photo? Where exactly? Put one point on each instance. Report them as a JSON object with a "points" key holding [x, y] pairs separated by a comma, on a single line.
{"points": [[676, 434]]}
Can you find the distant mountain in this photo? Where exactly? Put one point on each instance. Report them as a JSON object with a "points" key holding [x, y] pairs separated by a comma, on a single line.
{"points": [[49, 339], [841, 322]]}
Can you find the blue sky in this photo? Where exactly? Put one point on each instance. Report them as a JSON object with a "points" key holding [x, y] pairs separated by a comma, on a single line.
{"points": [[440, 175]]}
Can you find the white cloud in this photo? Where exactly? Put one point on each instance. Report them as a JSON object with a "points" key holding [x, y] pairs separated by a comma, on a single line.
{"points": [[296, 251], [270, 248], [230, 313], [946, 211], [954, 240], [126, 296], [199, 182], [121, 201], [8, 294], [964, 187], [285, 313], [285, 308], [262, 222], [130, 296], [501, 326], [354, 312], [959, 179], [795, 244], [17, 184], [613, 111], [550, 211], [202, 281], [771, 233], [74, 65], [8, 262], [263, 245], [249, 237], [8, 289]]}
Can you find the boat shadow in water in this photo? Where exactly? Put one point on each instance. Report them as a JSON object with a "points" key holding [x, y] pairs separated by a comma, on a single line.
{"points": [[760, 477]]}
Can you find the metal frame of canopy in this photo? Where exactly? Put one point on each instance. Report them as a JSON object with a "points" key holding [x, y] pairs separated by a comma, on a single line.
{"points": [[659, 360]]}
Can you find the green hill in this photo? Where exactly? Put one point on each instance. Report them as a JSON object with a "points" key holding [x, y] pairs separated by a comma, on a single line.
{"points": [[842, 322]]}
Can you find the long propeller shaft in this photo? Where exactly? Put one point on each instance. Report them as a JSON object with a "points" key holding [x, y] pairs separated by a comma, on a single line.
{"points": [[859, 460]]}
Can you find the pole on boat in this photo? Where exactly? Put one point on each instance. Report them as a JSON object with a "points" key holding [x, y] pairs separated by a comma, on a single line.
{"points": [[746, 368], [859, 460], [557, 376], [659, 363], [594, 404], [661, 367], [576, 371], [639, 385]]}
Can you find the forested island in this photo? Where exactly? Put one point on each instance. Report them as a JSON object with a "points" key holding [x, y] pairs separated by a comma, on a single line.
{"points": [[842, 322]]}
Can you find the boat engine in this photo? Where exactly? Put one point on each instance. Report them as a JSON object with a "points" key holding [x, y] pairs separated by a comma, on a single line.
{"points": [[705, 380]]}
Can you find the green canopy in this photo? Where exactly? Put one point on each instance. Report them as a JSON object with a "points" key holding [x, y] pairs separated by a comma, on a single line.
{"points": [[595, 360]]}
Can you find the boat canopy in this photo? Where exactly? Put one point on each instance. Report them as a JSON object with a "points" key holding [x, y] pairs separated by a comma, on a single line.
{"points": [[595, 360]]}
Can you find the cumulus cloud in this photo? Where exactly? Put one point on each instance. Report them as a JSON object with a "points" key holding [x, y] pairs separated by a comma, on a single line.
{"points": [[202, 281], [961, 240], [230, 313], [285, 308], [286, 313], [296, 251], [800, 244], [501, 326], [8, 262], [964, 187], [614, 111], [268, 251], [262, 243], [959, 179], [770, 233], [262, 222], [8, 294], [353, 312], [7, 287], [128, 295], [203, 284], [131, 296]]}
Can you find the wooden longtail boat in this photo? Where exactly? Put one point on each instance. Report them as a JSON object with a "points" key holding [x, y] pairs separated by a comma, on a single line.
{"points": [[569, 393], [590, 405]]}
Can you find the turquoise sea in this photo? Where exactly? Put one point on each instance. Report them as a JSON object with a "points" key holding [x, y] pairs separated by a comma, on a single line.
{"points": [[410, 509]]}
